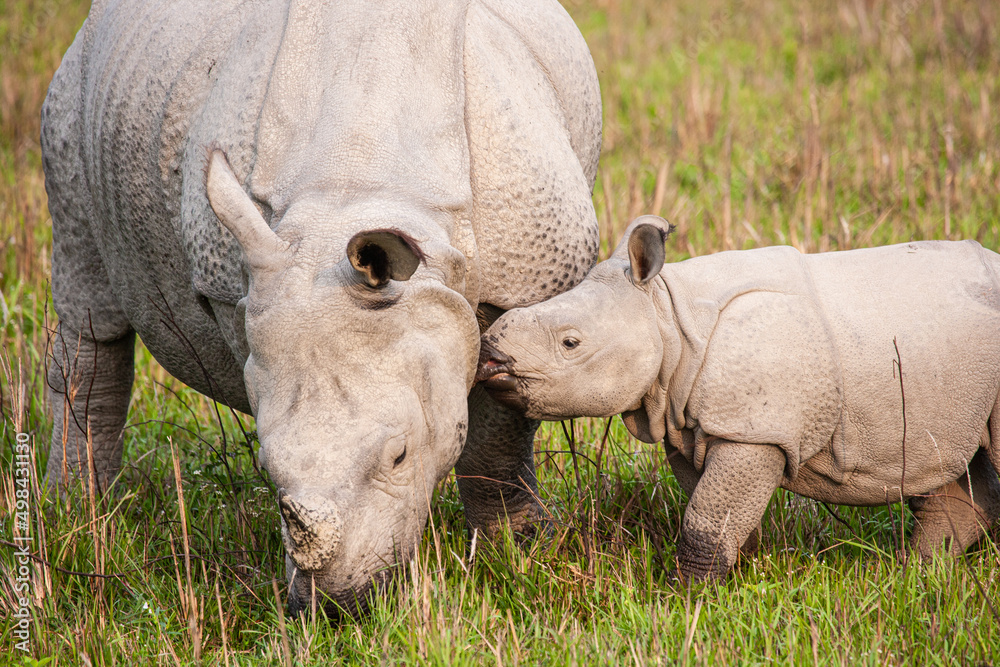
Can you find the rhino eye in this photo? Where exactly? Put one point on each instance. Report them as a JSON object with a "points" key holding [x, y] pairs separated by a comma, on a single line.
{"points": [[570, 343], [399, 459]]}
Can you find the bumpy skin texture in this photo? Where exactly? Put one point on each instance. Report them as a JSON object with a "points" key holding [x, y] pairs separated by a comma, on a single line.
{"points": [[90, 382], [689, 479], [454, 143], [767, 367], [496, 472]]}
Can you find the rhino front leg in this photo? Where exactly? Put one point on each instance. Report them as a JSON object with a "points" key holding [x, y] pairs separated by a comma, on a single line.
{"points": [[726, 506], [955, 516], [688, 478], [496, 472]]}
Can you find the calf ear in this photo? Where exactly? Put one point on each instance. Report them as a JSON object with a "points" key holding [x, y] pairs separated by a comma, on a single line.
{"points": [[644, 249], [645, 252], [381, 255]]}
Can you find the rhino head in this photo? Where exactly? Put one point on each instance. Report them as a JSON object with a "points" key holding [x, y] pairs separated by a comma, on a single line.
{"points": [[593, 351], [361, 350]]}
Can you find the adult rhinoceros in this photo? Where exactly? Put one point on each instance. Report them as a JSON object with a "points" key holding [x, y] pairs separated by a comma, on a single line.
{"points": [[384, 173]]}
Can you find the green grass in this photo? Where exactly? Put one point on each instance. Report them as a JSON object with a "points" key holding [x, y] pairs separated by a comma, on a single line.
{"points": [[823, 125]]}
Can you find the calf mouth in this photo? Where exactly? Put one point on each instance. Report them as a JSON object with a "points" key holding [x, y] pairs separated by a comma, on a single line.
{"points": [[497, 376]]}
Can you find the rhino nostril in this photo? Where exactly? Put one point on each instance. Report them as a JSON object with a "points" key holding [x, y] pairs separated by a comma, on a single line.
{"points": [[290, 511]]}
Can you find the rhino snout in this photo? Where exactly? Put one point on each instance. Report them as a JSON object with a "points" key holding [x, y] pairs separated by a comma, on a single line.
{"points": [[492, 362], [498, 378], [310, 529]]}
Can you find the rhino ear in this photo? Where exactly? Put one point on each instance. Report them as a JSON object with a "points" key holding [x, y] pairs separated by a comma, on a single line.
{"points": [[238, 214], [645, 252], [381, 255], [643, 243]]}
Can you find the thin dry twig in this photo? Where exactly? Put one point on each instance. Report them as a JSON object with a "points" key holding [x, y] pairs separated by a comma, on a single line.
{"points": [[902, 479]]}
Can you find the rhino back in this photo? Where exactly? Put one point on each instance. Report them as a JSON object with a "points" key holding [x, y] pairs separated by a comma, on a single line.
{"points": [[349, 97], [128, 96], [462, 108], [162, 81]]}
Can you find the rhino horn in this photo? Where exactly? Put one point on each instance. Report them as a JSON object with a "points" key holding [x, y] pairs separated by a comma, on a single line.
{"points": [[311, 529], [237, 213]]}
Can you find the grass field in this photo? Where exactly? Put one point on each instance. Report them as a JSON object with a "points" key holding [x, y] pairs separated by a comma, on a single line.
{"points": [[824, 125]]}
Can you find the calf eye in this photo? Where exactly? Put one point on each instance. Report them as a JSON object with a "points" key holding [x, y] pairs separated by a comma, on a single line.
{"points": [[399, 459], [570, 343]]}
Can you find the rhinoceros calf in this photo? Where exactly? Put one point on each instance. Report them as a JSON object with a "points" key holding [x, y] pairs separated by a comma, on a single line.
{"points": [[302, 207], [768, 368]]}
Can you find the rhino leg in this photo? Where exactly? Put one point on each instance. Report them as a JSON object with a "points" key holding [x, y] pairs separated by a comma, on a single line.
{"points": [[90, 382], [496, 472], [688, 478], [957, 515], [726, 506], [684, 472], [91, 365]]}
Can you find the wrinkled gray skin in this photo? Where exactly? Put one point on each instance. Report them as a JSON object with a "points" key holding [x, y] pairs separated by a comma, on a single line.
{"points": [[302, 208], [767, 368]]}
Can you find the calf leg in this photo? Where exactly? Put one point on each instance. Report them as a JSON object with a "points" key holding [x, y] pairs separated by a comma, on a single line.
{"points": [[726, 506], [688, 478], [958, 514]]}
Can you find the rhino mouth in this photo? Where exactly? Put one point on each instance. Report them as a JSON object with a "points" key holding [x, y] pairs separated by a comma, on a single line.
{"points": [[344, 605], [497, 376]]}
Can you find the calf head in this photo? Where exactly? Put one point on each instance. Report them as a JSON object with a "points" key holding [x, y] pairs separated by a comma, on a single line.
{"points": [[592, 351], [358, 373]]}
